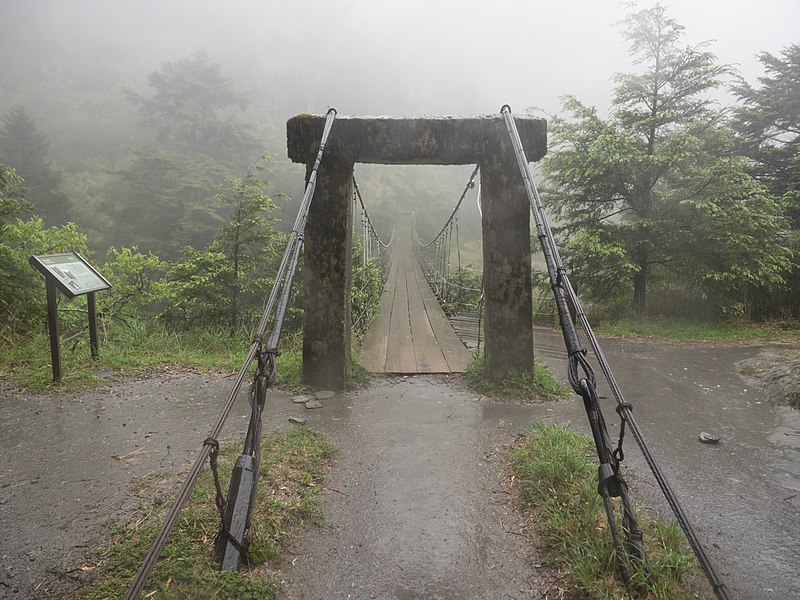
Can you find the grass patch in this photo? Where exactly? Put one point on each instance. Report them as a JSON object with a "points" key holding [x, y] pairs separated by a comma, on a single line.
{"points": [[557, 477], [291, 471], [131, 349], [124, 351], [357, 376], [541, 386], [682, 330]]}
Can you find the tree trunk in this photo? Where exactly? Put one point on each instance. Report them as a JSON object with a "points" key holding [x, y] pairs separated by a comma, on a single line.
{"points": [[640, 286]]}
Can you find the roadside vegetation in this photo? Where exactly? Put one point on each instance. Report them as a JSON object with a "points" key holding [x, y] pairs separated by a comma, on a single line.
{"points": [[292, 471], [556, 478], [684, 330], [541, 386]]}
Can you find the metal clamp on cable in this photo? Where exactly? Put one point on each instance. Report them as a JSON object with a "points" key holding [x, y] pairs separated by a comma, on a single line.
{"points": [[610, 480]]}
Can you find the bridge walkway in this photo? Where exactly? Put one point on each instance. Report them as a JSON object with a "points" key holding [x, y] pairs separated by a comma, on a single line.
{"points": [[411, 333]]}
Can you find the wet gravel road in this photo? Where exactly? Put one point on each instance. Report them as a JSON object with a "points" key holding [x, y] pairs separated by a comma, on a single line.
{"points": [[421, 508], [743, 494], [416, 502]]}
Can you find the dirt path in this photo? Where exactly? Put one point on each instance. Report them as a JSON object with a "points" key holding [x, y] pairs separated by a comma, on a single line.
{"points": [[422, 509], [417, 503], [69, 461]]}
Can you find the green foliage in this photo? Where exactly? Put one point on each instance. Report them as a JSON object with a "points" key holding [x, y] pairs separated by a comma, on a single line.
{"points": [[228, 281], [12, 201], [768, 123], [651, 196], [136, 283], [462, 292], [538, 386], [195, 288], [367, 286], [166, 189], [249, 241], [768, 127], [186, 107], [25, 148], [558, 482], [685, 330], [124, 350], [22, 293], [293, 466]]}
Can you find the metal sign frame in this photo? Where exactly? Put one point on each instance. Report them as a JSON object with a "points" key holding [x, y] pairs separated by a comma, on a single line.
{"points": [[73, 276], [71, 273]]}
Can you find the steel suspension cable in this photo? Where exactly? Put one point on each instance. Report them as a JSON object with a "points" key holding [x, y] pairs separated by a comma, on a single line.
{"points": [[370, 227], [560, 280], [288, 260], [436, 253], [467, 188], [373, 246]]}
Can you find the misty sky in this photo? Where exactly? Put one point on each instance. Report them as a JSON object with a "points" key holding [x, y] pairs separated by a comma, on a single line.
{"points": [[404, 57]]}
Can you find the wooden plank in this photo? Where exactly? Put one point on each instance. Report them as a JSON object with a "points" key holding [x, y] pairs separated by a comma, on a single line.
{"points": [[454, 351], [411, 333], [372, 355], [400, 356], [426, 347]]}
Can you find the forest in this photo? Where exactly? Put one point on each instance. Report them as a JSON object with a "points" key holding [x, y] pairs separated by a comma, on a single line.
{"points": [[174, 183]]}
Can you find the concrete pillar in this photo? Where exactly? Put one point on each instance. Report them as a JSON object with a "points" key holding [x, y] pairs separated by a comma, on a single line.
{"points": [[433, 141], [508, 322], [327, 276]]}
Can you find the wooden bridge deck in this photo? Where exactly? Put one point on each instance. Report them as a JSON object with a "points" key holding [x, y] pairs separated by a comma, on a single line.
{"points": [[411, 333]]}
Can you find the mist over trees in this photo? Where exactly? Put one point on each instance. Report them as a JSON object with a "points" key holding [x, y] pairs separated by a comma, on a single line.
{"points": [[151, 145], [167, 186], [24, 146], [653, 197]]}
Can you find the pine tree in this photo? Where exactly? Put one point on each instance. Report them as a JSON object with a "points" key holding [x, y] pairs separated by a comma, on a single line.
{"points": [[25, 148]]}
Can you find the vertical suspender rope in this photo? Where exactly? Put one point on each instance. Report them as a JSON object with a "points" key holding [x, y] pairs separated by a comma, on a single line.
{"points": [[289, 258], [436, 253], [561, 280]]}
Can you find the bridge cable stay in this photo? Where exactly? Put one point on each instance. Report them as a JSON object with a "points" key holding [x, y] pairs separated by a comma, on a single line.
{"points": [[435, 256], [373, 251], [236, 512], [611, 483]]}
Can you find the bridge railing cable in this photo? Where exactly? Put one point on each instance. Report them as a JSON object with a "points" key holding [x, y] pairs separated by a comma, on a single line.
{"points": [[582, 379], [263, 349], [374, 254], [436, 256]]}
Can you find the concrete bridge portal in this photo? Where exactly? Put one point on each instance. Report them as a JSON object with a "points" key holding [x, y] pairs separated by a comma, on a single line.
{"points": [[416, 141]]}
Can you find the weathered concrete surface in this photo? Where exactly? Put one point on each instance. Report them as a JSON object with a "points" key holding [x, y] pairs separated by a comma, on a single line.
{"points": [[506, 260], [506, 218], [328, 276], [409, 141]]}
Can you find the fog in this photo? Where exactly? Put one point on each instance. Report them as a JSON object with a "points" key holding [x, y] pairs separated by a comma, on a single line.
{"points": [[68, 62], [379, 57]]}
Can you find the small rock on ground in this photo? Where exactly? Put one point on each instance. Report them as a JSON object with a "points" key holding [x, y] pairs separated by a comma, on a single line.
{"points": [[324, 394], [313, 404], [302, 399]]}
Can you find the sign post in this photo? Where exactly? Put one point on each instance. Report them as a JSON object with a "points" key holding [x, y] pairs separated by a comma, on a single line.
{"points": [[71, 274]]}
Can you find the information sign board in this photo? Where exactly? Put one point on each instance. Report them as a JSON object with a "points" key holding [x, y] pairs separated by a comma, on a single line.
{"points": [[71, 273]]}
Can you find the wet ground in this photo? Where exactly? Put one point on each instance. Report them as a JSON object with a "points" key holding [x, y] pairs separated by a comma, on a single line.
{"points": [[416, 500], [421, 508]]}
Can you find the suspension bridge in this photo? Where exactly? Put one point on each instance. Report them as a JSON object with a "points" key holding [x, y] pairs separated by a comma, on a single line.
{"points": [[410, 334]]}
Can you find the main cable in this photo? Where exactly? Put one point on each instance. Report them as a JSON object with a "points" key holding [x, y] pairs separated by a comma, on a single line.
{"points": [[550, 250], [289, 258]]}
